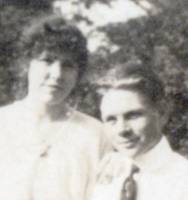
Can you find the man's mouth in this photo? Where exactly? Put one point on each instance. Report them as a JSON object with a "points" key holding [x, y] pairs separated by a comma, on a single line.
{"points": [[131, 143]]}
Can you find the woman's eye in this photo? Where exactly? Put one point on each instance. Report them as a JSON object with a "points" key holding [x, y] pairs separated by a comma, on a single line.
{"points": [[47, 60], [67, 65]]}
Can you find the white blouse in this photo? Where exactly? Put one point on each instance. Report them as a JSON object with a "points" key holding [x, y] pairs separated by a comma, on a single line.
{"points": [[61, 167]]}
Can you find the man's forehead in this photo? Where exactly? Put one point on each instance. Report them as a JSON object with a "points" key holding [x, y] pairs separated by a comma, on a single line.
{"points": [[118, 101]]}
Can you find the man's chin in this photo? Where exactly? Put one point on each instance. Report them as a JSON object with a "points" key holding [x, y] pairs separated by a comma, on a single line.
{"points": [[129, 152]]}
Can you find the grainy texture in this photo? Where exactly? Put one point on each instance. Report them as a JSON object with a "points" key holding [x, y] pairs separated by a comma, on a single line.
{"points": [[159, 40]]}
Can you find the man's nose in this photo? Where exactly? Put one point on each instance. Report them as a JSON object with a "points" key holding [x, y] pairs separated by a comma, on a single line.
{"points": [[125, 129], [126, 133]]}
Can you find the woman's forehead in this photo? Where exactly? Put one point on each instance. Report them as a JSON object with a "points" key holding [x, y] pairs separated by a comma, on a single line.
{"points": [[60, 55]]}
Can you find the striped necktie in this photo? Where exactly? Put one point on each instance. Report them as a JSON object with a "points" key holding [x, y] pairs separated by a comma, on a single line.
{"points": [[129, 189]]}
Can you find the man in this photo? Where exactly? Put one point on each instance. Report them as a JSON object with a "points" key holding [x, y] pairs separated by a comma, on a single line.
{"points": [[142, 165], [48, 150]]}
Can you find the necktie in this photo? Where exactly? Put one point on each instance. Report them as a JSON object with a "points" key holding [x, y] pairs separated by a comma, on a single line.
{"points": [[129, 189]]}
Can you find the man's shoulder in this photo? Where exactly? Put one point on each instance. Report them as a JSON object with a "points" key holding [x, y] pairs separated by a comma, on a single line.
{"points": [[180, 162], [171, 160], [177, 168], [179, 173]]}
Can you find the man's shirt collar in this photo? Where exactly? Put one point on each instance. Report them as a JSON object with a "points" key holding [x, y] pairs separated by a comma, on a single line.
{"points": [[156, 158]]}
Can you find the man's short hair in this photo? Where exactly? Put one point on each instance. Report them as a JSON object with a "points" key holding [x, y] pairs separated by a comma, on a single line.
{"points": [[137, 77], [53, 34]]}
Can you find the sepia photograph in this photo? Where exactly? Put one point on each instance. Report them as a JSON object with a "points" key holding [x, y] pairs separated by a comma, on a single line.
{"points": [[93, 99]]}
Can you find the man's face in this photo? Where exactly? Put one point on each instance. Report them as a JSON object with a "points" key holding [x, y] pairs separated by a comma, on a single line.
{"points": [[131, 124], [51, 78]]}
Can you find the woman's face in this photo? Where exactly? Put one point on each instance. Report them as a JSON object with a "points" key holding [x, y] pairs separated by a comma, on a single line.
{"points": [[51, 78]]}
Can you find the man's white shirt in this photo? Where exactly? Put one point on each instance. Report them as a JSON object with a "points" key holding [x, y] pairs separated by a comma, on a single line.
{"points": [[163, 175]]}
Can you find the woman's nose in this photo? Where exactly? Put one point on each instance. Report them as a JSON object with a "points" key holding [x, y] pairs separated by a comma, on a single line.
{"points": [[55, 70]]}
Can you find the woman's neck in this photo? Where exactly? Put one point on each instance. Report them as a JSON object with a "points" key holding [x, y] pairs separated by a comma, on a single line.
{"points": [[43, 111]]}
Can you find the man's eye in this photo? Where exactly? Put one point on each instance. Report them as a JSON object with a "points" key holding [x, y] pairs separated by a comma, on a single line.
{"points": [[134, 115], [111, 119]]}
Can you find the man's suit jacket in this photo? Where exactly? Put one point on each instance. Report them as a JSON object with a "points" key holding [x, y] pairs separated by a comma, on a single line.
{"points": [[61, 168], [163, 175]]}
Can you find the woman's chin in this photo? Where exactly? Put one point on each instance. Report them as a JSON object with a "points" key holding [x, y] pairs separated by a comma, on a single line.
{"points": [[51, 99]]}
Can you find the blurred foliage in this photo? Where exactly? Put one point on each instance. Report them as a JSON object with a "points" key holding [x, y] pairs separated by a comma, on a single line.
{"points": [[159, 40], [37, 4]]}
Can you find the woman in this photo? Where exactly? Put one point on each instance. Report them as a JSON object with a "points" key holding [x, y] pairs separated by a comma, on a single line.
{"points": [[49, 151]]}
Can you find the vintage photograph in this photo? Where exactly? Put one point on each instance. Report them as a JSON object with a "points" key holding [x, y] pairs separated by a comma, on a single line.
{"points": [[93, 100]]}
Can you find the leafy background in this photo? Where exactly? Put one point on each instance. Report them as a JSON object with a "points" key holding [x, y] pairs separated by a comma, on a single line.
{"points": [[158, 37]]}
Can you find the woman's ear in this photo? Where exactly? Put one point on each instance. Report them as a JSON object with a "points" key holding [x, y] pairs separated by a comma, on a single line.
{"points": [[164, 110]]}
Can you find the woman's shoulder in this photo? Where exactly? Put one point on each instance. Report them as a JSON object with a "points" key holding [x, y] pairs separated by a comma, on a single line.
{"points": [[91, 132], [87, 121], [10, 112], [87, 128], [8, 109]]}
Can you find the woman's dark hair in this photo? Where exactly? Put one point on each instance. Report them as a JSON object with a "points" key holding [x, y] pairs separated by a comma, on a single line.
{"points": [[53, 34]]}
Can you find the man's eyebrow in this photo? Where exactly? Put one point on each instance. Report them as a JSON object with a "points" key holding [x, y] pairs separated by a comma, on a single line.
{"points": [[109, 117], [135, 112]]}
